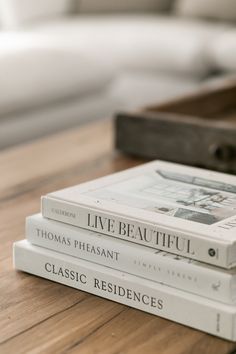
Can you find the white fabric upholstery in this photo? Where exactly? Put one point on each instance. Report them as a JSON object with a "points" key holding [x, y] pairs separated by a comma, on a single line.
{"points": [[33, 124], [136, 89], [60, 73], [129, 91], [223, 51], [101, 6], [217, 9], [35, 75], [15, 13], [147, 42]]}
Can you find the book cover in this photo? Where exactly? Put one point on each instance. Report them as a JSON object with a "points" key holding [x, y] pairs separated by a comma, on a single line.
{"points": [[175, 271], [160, 300], [174, 208]]}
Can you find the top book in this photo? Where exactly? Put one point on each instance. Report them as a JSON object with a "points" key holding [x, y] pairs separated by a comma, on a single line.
{"points": [[183, 210]]}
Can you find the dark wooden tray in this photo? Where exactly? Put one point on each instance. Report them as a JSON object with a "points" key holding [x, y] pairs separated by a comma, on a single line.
{"points": [[198, 130]]}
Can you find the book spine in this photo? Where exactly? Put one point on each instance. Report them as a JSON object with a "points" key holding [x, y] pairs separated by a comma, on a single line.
{"points": [[159, 266], [150, 235], [191, 310]]}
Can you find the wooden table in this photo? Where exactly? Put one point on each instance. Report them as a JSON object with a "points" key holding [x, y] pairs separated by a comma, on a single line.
{"points": [[39, 316]]}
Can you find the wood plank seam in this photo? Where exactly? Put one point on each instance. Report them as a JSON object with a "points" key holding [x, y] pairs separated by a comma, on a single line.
{"points": [[82, 340], [44, 320], [34, 183]]}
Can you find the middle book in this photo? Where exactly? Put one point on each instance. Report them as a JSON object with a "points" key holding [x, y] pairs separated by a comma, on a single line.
{"points": [[159, 266]]}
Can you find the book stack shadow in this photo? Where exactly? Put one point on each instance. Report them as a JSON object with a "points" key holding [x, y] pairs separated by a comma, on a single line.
{"points": [[159, 237]]}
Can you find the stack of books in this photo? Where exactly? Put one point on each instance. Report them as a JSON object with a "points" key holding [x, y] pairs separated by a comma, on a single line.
{"points": [[160, 237]]}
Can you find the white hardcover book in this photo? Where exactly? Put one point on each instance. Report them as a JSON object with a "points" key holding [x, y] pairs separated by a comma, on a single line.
{"points": [[175, 271], [183, 210], [188, 309]]}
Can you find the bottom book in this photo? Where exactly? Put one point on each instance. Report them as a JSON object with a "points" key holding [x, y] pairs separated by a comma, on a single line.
{"points": [[182, 307]]}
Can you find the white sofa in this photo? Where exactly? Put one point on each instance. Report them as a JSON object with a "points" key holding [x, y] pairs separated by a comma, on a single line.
{"points": [[59, 68]]}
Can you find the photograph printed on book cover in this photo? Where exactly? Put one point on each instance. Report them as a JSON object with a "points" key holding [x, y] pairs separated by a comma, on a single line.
{"points": [[175, 194]]}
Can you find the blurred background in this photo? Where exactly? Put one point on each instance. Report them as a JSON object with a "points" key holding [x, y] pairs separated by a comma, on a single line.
{"points": [[67, 62]]}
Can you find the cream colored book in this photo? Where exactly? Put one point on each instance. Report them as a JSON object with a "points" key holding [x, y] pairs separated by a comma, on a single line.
{"points": [[160, 300], [182, 210]]}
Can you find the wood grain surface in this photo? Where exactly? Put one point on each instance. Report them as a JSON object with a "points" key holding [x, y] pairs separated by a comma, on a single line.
{"points": [[39, 316]]}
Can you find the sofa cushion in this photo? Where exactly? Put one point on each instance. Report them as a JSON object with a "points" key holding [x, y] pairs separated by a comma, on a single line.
{"points": [[146, 42], [48, 119], [216, 9], [138, 89], [223, 51], [122, 5], [40, 74], [15, 13]]}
